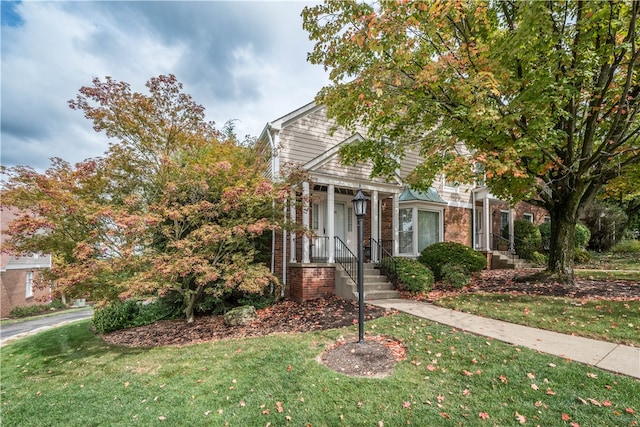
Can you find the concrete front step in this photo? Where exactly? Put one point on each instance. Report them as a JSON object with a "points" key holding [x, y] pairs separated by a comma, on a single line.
{"points": [[376, 286]]}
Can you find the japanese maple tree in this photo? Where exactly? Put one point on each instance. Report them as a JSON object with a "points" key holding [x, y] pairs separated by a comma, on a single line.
{"points": [[544, 95], [173, 206]]}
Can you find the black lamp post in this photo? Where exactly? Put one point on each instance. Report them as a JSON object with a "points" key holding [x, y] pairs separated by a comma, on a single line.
{"points": [[360, 208]]}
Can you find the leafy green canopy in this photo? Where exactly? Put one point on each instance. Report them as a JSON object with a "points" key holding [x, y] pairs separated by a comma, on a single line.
{"points": [[174, 205], [543, 94]]}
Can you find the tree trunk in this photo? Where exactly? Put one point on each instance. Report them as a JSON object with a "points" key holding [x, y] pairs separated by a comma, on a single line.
{"points": [[194, 298], [562, 244]]}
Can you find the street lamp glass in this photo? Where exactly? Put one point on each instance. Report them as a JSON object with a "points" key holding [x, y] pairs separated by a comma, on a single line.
{"points": [[360, 203]]}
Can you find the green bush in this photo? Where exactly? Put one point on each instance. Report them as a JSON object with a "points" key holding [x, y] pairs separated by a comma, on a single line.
{"points": [[527, 238], [539, 259], [437, 255], [408, 274], [34, 310], [583, 235], [115, 316], [627, 246], [581, 256], [454, 275]]}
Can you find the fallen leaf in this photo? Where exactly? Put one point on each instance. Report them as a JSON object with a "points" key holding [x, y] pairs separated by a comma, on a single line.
{"points": [[531, 375], [279, 407], [594, 402], [565, 417], [162, 418], [483, 415], [535, 387], [630, 410], [606, 403], [466, 392], [592, 375], [520, 418], [503, 378], [406, 405]]}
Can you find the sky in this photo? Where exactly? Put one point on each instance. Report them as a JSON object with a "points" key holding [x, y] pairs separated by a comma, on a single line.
{"points": [[241, 60]]}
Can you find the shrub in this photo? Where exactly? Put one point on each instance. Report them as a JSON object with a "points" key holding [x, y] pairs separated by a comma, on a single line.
{"points": [[539, 259], [34, 310], [627, 246], [409, 274], [606, 223], [581, 256], [527, 238], [454, 275], [437, 255], [545, 235], [583, 235], [117, 315]]}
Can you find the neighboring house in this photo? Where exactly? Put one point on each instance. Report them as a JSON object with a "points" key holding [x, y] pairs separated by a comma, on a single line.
{"points": [[20, 274], [399, 221]]}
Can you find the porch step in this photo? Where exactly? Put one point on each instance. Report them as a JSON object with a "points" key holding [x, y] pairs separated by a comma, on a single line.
{"points": [[502, 261], [376, 286]]}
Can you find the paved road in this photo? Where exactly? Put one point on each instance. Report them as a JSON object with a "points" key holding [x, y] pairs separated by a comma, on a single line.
{"points": [[19, 329]]}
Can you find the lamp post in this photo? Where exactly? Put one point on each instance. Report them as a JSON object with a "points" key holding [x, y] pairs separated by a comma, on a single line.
{"points": [[360, 208]]}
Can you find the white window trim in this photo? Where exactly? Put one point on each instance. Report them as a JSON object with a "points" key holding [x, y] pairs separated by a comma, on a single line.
{"points": [[28, 284], [415, 207], [528, 216]]}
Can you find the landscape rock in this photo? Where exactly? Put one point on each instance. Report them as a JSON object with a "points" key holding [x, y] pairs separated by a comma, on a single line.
{"points": [[240, 315]]}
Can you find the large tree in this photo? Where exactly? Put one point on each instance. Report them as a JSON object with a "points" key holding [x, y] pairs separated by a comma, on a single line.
{"points": [[544, 94], [173, 206]]}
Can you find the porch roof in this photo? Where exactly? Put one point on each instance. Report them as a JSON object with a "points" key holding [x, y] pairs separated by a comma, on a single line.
{"points": [[430, 196]]}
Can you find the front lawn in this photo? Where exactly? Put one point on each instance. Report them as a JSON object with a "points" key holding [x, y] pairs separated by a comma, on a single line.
{"points": [[67, 376], [614, 321]]}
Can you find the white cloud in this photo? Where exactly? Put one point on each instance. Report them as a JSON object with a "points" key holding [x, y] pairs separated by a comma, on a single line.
{"points": [[241, 60]]}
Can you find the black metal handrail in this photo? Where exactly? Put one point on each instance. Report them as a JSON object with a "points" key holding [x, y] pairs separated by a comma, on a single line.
{"points": [[347, 259], [385, 260]]}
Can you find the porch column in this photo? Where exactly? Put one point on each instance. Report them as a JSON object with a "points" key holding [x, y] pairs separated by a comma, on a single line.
{"points": [[512, 214], [395, 215], [305, 221], [292, 236], [331, 221], [375, 223], [486, 217]]}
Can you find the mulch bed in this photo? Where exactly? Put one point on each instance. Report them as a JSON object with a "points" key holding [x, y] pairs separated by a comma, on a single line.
{"points": [[529, 282], [284, 317]]}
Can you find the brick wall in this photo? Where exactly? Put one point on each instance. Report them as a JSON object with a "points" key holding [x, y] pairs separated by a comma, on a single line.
{"points": [[12, 287], [310, 281], [457, 225]]}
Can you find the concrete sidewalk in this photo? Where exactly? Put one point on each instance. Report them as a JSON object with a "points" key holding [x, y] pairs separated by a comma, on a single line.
{"points": [[617, 358]]}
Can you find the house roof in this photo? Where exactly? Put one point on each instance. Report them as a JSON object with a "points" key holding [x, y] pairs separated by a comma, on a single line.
{"points": [[430, 196]]}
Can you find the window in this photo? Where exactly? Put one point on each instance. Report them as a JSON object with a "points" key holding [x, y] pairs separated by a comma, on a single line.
{"points": [[315, 213], [428, 229], [504, 224], [528, 217], [412, 240], [406, 231], [29, 284], [349, 219]]}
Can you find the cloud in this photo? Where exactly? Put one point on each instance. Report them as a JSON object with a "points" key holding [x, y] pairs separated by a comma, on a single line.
{"points": [[240, 60]]}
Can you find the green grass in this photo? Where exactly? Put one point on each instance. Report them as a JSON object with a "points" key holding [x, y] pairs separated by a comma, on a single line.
{"points": [[614, 321], [607, 274], [67, 376], [612, 261], [40, 316]]}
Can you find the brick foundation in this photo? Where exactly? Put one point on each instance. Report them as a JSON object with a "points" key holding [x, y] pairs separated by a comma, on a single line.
{"points": [[310, 281]]}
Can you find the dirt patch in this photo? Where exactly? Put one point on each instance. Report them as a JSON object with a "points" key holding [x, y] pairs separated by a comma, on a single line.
{"points": [[373, 358]]}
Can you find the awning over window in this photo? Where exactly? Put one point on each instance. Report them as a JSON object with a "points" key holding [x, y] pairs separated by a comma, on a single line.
{"points": [[430, 196]]}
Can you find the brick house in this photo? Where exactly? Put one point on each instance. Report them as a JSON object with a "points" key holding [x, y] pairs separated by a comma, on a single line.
{"points": [[19, 275], [399, 221]]}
